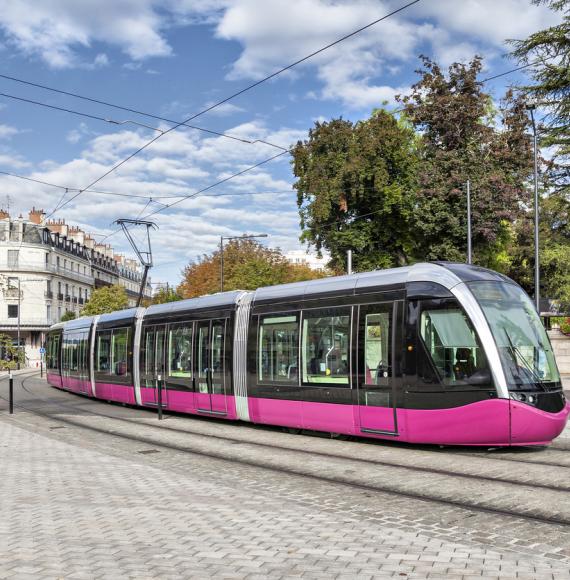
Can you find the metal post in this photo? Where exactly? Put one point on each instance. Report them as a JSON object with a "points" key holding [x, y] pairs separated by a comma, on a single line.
{"points": [[536, 217], [469, 248], [41, 367], [19, 309], [349, 262], [11, 392], [221, 263], [159, 396]]}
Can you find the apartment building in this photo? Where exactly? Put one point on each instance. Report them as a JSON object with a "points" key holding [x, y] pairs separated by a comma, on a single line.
{"points": [[48, 268]]}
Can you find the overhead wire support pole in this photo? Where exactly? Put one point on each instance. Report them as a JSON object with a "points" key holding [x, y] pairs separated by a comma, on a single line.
{"points": [[144, 256], [469, 243], [531, 107]]}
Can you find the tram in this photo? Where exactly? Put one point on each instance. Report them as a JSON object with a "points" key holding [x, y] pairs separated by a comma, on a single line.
{"points": [[437, 353]]}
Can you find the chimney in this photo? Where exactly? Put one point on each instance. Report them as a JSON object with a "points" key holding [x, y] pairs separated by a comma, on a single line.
{"points": [[36, 216]]}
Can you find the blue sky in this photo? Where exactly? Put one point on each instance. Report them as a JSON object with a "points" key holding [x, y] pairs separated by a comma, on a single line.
{"points": [[172, 58]]}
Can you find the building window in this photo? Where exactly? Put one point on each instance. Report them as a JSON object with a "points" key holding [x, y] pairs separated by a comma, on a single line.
{"points": [[48, 312], [47, 259], [12, 311], [59, 313], [326, 343], [58, 261], [278, 349], [13, 258]]}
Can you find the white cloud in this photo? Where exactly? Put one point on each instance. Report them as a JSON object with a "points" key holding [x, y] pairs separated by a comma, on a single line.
{"points": [[53, 29], [7, 132]]}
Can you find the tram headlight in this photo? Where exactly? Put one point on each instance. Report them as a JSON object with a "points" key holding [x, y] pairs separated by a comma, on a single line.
{"points": [[521, 397]]}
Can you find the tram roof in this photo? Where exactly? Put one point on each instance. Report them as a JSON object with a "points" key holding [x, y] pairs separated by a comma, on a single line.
{"points": [[209, 302], [447, 274]]}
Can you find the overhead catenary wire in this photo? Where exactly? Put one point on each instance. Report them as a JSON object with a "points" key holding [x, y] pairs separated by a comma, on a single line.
{"points": [[236, 94], [127, 121]]}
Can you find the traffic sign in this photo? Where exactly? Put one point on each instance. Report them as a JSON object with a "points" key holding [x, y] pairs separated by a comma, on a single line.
{"points": [[42, 350]]}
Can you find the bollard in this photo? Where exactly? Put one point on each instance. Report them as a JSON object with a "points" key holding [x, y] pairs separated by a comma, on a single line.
{"points": [[159, 397], [11, 392], [41, 369]]}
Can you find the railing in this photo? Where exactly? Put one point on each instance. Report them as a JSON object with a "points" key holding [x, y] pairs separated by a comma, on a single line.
{"points": [[60, 296], [25, 322], [67, 298], [48, 268], [48, 294]]}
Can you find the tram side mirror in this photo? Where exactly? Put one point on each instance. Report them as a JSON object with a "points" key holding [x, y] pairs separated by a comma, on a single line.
{"points": [[480, 377]]}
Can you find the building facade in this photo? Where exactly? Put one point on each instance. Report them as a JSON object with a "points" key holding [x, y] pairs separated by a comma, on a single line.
{"points": [[48, 268]]}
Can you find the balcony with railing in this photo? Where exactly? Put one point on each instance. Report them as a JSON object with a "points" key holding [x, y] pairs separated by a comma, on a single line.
{"points": [[19, 266], [26, 323]]}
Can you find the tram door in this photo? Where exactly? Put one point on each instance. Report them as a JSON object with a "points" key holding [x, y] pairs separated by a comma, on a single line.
{"points": [[375, 387], [153, 368], [210, 366]]}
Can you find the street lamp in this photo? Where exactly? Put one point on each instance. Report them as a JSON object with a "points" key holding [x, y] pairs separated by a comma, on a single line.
{"points": [[222, 238], [531, 107]]}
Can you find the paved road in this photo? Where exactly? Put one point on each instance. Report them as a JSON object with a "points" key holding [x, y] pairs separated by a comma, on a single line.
{"points": [[90, 490]]}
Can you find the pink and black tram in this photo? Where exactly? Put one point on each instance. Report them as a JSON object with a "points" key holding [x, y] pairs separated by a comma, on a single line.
{"points": [[432, 353]]}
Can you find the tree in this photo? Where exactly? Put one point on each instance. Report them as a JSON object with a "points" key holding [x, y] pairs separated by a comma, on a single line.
{"points": [[247, 265], [106, 299], [460, 140], [548, 54], [10, 353], [355, 190], [68, 315], [166, 294]]}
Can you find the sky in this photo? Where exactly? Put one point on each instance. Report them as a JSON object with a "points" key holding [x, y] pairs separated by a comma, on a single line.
{"points": [[175, 58]]}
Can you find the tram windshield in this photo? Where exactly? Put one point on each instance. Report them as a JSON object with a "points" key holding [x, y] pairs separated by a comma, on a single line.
{"points": [[522, 341]]}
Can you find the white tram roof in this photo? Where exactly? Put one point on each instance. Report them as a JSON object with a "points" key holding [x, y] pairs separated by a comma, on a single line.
{"points": [[209, 302], [445, 274]]}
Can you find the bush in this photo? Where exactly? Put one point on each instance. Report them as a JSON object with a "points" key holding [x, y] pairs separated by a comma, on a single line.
{"points": [[565, 326]]}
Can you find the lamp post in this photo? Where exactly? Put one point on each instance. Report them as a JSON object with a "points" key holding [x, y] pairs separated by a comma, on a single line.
{"points": [[222, 238], [531, 107]]}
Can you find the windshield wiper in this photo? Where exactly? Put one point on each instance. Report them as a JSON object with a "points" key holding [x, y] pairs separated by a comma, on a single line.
{"points": [[535, 377]]}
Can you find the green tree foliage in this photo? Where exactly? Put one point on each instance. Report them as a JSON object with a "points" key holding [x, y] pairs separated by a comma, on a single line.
{"points": [[106, 299], [548, 53], [460, 140], [10, 353], [247, 265], [68, 315], [355, 185], [164, 295]]}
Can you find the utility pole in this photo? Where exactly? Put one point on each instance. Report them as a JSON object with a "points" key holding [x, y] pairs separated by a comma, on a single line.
{"points": [[531, 107], [349, 262], [221, 263], [469, 248], [19, 309]]}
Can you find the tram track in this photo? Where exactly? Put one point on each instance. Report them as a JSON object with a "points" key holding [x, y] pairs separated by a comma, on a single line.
{"points": [[245, 441], [339, 479]]}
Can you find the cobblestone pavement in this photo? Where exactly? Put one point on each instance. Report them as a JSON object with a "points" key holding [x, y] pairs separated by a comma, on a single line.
{"points": [[90, 490]]}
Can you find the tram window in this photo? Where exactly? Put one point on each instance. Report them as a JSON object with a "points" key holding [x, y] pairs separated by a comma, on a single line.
{"points": [[278, 349], [326, 346], [376, 348], [454, 347], [119, 352], [180, 351], [103, 352]]}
